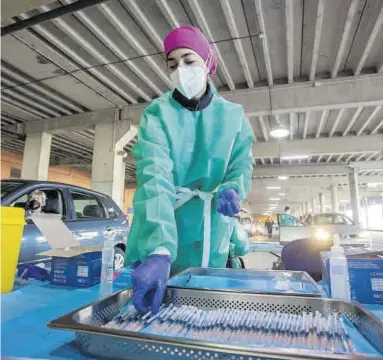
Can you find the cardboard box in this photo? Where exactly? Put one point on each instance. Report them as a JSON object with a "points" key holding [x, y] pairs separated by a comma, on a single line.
{"points": [[365, 270], [72, 265]]}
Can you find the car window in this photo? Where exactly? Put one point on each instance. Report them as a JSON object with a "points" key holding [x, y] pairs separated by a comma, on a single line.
{"points": [[20, 202], [339, 220], [88, 206], [347, 220], [54, 201], [111, 212], [323, 219], [8, 187]]}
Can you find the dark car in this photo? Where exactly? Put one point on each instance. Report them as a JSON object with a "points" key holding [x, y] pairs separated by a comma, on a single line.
{"points": [[91, 216]]}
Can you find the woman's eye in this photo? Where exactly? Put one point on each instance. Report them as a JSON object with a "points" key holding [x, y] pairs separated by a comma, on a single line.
{"points": [[173, 67], [189, 62]]}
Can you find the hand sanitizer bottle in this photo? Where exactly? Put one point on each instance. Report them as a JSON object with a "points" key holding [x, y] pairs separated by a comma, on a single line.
{"points": [[106, 282], [340, 285]]}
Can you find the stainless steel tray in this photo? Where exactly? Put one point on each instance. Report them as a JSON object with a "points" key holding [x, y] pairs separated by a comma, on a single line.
{"points": [[117, 344], [255, 281]]}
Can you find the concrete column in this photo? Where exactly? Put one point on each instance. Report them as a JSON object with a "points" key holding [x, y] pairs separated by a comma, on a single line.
{"points": [[334, 198], [354, 193], [37, 150], [108, 165], [321, 203], [313, 205], [365, 202], [306, 207]]}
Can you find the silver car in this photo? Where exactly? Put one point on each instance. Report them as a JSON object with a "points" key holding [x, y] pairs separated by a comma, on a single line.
{"points": [[322, 227]]}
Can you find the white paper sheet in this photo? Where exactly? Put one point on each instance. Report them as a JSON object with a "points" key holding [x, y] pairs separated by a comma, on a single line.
{"points": [[54, 230]]}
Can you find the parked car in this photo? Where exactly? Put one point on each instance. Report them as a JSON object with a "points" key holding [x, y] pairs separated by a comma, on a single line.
{"points": [[322, 227], [91, 216]]}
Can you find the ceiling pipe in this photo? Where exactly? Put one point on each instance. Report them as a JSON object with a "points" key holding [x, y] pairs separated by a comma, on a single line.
{"points": [[49, 15]]}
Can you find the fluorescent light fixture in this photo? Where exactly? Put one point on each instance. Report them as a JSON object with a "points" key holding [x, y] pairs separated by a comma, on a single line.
{"points": [[283, 177], [275, 199], [273, 187], [278, 131], [294, 157], [282, 194], [374, 184], [343, 201]]}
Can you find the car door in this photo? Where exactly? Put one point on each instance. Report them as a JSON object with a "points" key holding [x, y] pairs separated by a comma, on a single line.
{"points": [[90, 223], [33, 242], [118, 222], [56, 205], [346, 229], [290, 228]]}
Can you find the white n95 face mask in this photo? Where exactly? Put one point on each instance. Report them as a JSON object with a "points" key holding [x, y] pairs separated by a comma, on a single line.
{"points": [[189, 80]]}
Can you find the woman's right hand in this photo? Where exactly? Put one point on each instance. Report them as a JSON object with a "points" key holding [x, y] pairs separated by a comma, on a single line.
{"points": [[149, 282], [228, 202]]}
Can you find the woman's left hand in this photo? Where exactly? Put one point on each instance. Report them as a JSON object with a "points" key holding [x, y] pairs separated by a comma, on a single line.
{"points": [[228, 202]]}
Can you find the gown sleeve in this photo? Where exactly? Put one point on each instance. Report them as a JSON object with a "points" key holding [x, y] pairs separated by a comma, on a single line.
{"points": [[240, 168], [154, 226]]}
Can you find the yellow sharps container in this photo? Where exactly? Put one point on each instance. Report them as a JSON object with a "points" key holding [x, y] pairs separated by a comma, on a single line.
{"points": [[12, 225]]}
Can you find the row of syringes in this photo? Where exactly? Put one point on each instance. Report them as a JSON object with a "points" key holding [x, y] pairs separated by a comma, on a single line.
{"points": [[311, 331]]}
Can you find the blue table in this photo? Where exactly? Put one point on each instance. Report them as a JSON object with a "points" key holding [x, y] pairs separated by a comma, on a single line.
{"points": [[26, 311]]}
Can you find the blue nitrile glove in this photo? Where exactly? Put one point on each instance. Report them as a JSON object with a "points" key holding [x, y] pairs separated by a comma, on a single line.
{"points": [[228, 202], [149, 280], [34, 272]]}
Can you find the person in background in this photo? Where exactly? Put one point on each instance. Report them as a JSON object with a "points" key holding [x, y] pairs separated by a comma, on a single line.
{"points": [[287, 210], [269, 226], [194, 165], [36, 202]]}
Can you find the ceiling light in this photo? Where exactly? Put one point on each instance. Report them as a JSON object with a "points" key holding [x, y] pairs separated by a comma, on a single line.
{"points": [[343, 201], [294, 157], [278, 131], [275, 199], [282, 194], [283, 177], [273, 187]]}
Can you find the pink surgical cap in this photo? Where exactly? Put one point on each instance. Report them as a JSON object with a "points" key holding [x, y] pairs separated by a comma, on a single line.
{"points": [[191, 37]]}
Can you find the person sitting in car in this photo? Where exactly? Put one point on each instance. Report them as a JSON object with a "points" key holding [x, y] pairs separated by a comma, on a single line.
{"points": [[36, 202]]}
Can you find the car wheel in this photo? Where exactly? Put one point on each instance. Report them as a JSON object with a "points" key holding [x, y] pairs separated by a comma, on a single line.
{"points": [[119, 258]]}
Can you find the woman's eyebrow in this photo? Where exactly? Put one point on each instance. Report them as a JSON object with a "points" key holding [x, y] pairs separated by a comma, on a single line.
{"points": [[183, 56]]}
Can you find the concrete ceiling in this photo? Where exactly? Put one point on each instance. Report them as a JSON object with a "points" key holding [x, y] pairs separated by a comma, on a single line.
{"points": [[314, 65], [10, 8]]}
